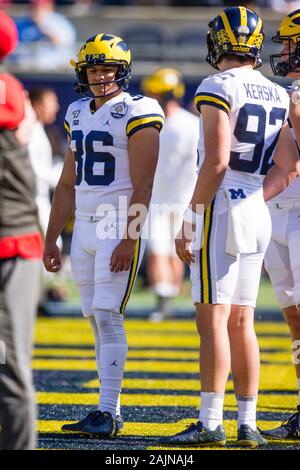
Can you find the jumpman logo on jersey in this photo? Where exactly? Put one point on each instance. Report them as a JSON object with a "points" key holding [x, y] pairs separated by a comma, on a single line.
{"points": [[114, 363], [107, 123]]}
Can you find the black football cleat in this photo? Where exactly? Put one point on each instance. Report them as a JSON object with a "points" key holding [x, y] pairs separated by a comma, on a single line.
{"points": [[102, 425], [249, 438], [196, 435], [80, 425], [119, 424], [289, 429]]}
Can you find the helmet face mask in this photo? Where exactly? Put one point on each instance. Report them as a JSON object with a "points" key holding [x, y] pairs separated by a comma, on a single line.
{"points": [[236, 31], [106, 50], [282, 67], [289, 32]]}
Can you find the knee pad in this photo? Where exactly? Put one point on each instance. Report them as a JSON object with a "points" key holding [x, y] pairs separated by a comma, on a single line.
{"points": [[111, 327]]}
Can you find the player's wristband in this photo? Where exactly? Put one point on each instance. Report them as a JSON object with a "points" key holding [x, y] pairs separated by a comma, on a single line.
{"points": [[193, 217]]}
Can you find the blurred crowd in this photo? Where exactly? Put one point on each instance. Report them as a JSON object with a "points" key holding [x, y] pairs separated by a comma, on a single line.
{"points": [[48, 36], [84, 6]]}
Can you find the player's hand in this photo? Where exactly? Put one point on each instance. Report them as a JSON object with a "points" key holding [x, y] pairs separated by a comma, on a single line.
{"points": [[122, 256], [183, 243], [52, 258]]}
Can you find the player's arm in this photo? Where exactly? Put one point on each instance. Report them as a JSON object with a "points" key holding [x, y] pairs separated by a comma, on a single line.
{"points": [[143, 147], [284, 171], [62, 207], [217, 142], [294, 115]]}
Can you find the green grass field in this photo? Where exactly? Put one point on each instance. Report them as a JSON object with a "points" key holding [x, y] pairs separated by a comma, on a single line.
{"points": [[145, 297]]}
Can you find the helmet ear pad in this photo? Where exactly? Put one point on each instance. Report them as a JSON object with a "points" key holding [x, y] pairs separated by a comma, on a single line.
{"points": [[123, 74]]}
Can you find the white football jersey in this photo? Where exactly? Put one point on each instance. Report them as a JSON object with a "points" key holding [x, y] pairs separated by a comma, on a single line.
{"points": [[99, 141], [176, 171], [257, 109]]}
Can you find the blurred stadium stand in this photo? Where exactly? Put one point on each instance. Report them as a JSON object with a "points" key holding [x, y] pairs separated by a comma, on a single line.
{"points": [[157, 35]]}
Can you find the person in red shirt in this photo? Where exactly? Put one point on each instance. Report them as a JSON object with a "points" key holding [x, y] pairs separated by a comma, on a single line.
{"points": [[20, 265]]}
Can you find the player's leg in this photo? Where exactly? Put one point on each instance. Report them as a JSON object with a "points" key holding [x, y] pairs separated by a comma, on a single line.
{"points": [[83, 266], [214, 361], [245, 361], [161, 279], [283, 265], [213, 276], [243, 341], [112, 292], [165, 270], [112, 358], [214, 369], [293, 243]]}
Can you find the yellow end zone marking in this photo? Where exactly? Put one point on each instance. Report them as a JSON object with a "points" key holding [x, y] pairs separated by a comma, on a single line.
{"points": [[269, 381], [130, 428], [159, 354], [279, 357], [68, 326], [279, 403], [275, 377], [131, 366], [140, 339], [61, 352], [45, 398], [164, 429], [153, 384]]}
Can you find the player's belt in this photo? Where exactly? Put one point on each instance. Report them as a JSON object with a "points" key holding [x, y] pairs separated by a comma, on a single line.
{"points": [[89, 218]]}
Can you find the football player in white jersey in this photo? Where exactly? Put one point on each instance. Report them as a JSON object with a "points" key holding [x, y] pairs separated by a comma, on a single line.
{"points": [[241, 116], [174, 181], [282, 259], [108, 170]]}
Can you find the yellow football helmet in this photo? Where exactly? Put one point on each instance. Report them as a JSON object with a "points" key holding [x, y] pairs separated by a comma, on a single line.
{"points": [[103, 49], [289, 30], [167, 82], [236, 31]]}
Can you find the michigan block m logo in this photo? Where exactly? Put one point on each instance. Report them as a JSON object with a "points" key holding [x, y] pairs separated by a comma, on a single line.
{"points": [[237, 193]]}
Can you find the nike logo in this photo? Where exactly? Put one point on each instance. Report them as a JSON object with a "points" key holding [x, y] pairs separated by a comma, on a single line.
{"points": [[114, 363]]}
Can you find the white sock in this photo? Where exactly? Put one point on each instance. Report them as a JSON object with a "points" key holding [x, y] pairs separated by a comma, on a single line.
{"points": [[298, 381], [247, 411], [112, 357], [97, 351], [165, 289], [211, 410]]}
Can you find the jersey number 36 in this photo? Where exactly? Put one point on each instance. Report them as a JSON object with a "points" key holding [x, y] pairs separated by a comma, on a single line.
{"points": [[92, 157]]}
